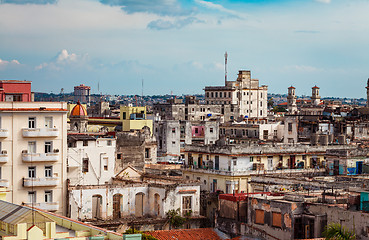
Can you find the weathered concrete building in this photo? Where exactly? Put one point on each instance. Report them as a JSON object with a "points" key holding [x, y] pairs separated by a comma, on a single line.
{"points": [[135, 149], [133, 194], [245, 94], [90, 159]]}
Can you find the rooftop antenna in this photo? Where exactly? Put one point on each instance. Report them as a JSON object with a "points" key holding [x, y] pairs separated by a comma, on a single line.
{"points": [[225, 67], [142, 92]]}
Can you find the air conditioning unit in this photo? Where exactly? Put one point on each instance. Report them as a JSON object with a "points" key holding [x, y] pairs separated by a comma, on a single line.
{"points": [[4, 152]]}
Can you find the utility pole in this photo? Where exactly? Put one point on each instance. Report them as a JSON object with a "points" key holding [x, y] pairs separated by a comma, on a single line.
{"points": [[225, 68]]}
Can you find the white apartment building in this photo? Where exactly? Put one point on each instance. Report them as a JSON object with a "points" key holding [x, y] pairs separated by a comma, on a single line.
{"points": [[244, 93], [33, 140], [91, 159]]}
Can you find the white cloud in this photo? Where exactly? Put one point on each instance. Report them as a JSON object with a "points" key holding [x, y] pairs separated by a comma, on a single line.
{"points": [[4, 62], [323, 1], [63, 58], [215, 6]]}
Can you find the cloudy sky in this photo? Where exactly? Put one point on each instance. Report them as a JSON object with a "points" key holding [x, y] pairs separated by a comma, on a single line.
{"points": [[178, 45]]}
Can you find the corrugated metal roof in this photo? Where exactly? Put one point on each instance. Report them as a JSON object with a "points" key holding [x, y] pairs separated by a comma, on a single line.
{"points": [[14, 214]]}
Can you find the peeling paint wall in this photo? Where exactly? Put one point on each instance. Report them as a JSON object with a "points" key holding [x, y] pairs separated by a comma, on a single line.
{"points": [[167, 197]]}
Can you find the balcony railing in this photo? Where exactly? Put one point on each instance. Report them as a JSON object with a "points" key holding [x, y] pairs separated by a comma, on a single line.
{"points": [[40, 157], [4, 183], [40, 132], [4, 157], [48, 206], [4, 133], [251, 172], [41, 182]]}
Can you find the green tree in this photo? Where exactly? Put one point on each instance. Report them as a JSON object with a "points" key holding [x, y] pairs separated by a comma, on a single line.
{"points": [[175, 219], [270, 103], [335, 231], [279, 109]]}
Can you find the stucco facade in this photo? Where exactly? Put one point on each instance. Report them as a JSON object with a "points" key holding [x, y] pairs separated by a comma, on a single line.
{"points": [[33, 153]]}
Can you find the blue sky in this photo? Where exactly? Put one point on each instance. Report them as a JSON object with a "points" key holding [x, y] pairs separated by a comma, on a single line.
{"points": [[179, 46]]}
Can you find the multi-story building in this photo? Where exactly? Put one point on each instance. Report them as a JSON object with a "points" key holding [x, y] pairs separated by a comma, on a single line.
{"points": [[91, 159], [245, 94], [82, 93], [33, 140], [15, 90], [229, 168]]}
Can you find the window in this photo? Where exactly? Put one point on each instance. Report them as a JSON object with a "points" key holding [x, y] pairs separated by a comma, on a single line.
{"points": [[119, 156], [48, 122], [31, 122], [173, 130], [212, 94], [31, 172], [277, 219], [173, 142], [1, 173], [109, 143], [220, 94], [85, 165], [147, 152], [290, 127], [211, 130], [32, 147], [105, 161], [48, 147], [48, 196], [85, 143], [32, 196], [259, 216], [186, 205], [48, 171], [261, 112], [124, 115], [251, 159], [216, 94], [196, 130]]}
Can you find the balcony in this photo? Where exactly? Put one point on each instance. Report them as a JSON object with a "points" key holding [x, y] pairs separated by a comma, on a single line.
{"points": [[4, 183], [4, 156], [41, 182], [4, 133], [48, 206], [40, 157], [40, 132]]}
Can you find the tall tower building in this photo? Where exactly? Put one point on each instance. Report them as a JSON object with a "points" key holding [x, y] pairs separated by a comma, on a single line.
{"points": [[291, 100], [315, 98], [82, 93]]}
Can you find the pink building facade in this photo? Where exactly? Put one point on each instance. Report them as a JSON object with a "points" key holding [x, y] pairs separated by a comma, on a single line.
{"points": [[15, 91]]}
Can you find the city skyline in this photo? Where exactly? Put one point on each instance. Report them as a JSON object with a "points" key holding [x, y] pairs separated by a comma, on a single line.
{"points": [[179, 45]]}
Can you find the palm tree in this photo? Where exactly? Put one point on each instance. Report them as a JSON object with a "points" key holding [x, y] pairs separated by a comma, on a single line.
{"points": [[335, 231]]}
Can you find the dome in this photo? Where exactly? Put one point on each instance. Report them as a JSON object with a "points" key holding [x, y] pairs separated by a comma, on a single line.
{"points": [[78, 111]]}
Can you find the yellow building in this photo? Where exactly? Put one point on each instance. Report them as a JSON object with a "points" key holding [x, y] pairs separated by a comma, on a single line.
{"points": [[134, 118]]}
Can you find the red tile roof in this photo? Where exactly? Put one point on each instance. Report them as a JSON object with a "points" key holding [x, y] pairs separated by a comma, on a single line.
{"points": [[34, 109], [186, 234]]}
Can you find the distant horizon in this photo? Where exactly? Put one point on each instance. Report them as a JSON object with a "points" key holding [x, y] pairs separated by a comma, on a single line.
{"points": [[182, 95], [179, 45]]}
